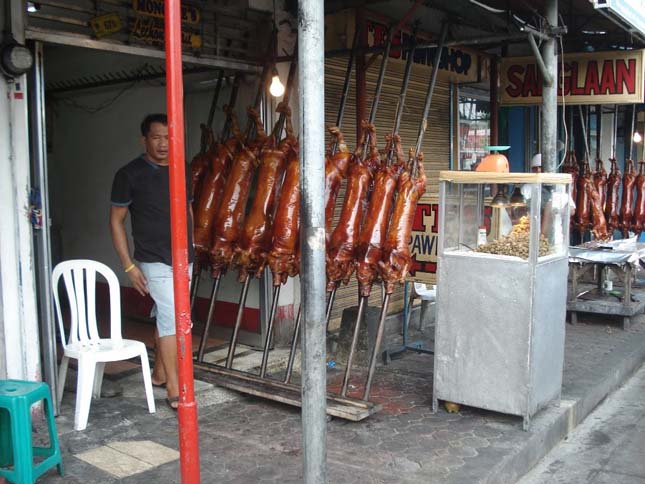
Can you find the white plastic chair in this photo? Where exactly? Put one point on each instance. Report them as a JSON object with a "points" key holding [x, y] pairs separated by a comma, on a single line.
{"points": [[428, 296], [84, 343]]}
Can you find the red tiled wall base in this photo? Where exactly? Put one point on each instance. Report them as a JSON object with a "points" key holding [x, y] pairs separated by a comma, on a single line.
{"points": [[133, 304]]}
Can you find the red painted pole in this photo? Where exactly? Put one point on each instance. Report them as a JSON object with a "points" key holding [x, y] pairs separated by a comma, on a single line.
{"points": [[188, 435]]}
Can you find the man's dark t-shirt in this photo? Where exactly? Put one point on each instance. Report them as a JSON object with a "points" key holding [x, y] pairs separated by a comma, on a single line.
{"points": [[143, 187]]}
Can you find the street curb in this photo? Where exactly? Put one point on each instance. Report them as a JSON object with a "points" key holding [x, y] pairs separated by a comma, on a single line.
{"points": [[571, 414]]}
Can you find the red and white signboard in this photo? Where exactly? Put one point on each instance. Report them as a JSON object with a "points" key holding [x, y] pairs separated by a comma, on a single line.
{"points": [[614, 77]]}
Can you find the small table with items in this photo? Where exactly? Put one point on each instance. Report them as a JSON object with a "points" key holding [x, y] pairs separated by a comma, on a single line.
{"points": [[601, 293]]}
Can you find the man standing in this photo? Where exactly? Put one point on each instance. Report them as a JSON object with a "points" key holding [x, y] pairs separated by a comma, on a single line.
{"points": [[142, 188]]}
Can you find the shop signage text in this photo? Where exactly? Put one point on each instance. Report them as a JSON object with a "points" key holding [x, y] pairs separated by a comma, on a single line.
{"points": [[457, 64], [423, 246], [105, 25], [155, 8], [150, 30], [454, 60], [587, 78]]}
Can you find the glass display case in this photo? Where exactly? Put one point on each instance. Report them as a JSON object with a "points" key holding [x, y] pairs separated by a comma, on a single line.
{"points": [[502, 288]]}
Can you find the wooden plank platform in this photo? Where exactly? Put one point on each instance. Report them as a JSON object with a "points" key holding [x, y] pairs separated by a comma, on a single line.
{"points": [[290, 394]]}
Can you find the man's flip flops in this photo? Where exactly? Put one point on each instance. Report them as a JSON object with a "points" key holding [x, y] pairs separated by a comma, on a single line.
{"points": [[158, 385], [172, 400]]}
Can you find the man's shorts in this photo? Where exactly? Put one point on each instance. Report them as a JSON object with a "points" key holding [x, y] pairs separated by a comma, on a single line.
{"points": [[160, 286]]}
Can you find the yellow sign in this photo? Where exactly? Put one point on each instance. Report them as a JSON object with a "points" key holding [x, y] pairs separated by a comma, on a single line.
{"points": [[614, 77], [105, 25], [151, 31], [155, 8]]}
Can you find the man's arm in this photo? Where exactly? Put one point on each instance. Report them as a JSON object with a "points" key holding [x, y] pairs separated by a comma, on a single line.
{"points": [[120, 242]]}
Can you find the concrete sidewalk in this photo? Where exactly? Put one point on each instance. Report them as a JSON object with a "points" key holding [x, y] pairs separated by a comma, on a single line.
{"points": [[607, 448], [246, 440]]}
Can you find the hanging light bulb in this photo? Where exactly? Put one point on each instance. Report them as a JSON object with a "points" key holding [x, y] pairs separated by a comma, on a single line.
{"points": [[637, 137], [276, 88]]}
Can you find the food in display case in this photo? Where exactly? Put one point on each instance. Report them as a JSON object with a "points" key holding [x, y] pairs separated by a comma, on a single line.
{"points": [[517, 242]]}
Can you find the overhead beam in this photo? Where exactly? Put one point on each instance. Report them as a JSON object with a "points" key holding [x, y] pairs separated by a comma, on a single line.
{"points": [[76, 40]]}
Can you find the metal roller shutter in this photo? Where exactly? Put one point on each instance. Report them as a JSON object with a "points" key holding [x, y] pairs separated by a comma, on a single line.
{"points": [[436, 145]]}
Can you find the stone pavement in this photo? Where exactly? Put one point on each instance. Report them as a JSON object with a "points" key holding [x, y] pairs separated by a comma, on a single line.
{"points": [[245, 439], [607, 448]]}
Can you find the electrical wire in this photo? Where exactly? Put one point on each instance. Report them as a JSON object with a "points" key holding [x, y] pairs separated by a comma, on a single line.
{"points": [[69, 101], [102, 106]]}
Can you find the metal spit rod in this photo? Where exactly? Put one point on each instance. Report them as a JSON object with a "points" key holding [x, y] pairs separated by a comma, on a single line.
{"points": [[238, 323], [294, 346], [197, 269], [240, 309], [379, 87], [352, 349], [226, 129], [401, 102], [363, 299], [372, 118], [433, 81], [267, 340], [583, 123], [209, 318], [348, 75], [216, 280], [422, 130], [377, 345]]}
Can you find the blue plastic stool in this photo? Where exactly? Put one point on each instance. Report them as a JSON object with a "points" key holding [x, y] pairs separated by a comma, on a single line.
{"points": [[16, 448]]}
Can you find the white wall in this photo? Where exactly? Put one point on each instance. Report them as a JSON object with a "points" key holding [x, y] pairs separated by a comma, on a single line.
{"points": [[89, 148]]}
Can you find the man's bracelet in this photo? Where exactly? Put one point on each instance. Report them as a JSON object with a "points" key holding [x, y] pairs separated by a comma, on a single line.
{"points": [[130, 267]]}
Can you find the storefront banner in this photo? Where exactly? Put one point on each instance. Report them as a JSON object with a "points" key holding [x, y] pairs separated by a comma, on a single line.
{"points": [[457, 64], [614, 77]]}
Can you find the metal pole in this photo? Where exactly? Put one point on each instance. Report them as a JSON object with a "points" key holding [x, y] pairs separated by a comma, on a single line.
{"points": [[381, 76], [550, 93], [404, 90], [433, 81], [377, 345], [330, 304], [211, 112], [348, 75], [494, 105], [631, 134], [361, 75], [231, 103], [598, 129], [614, 138], [352, 348], [311, 67], [187, 412], [583, 123], [209, 318], [43, 236], [294, 346], [238, 322], [267, 340]]}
